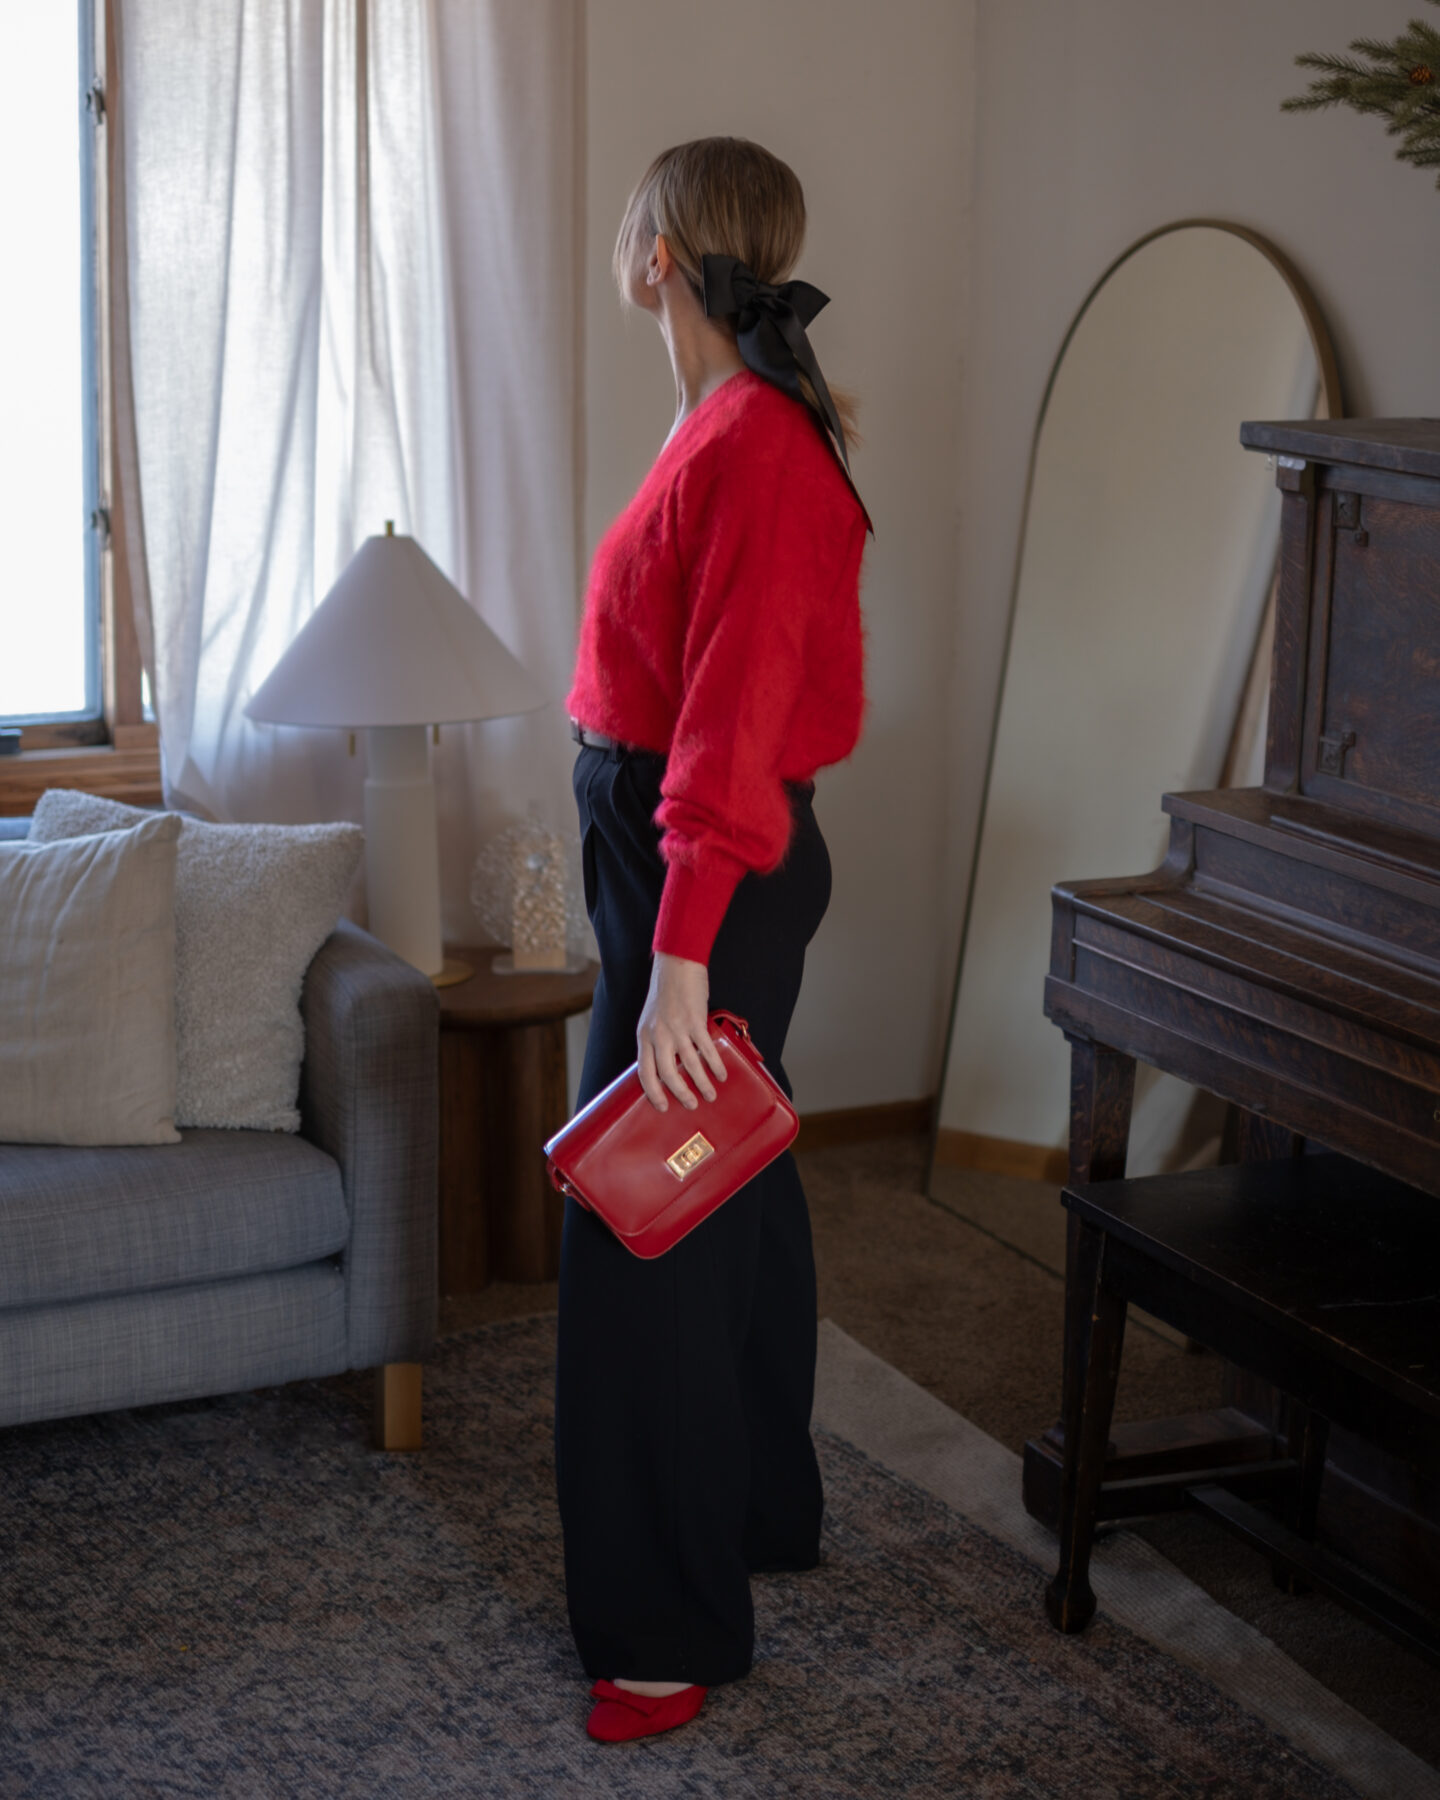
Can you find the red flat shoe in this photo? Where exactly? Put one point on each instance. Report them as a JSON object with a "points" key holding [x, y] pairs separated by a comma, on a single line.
{"points": [[621, 1715]]}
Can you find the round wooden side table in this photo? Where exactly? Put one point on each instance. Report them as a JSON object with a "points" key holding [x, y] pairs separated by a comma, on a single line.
{"points": [[503, 1092]]}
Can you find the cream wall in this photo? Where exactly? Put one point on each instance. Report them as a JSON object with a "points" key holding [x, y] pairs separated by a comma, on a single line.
{"points": [[971, 168], [1097, 120], [871, 106]]}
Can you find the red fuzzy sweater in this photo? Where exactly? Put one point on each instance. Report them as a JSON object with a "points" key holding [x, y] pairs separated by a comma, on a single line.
{"points": [[722, 629]]}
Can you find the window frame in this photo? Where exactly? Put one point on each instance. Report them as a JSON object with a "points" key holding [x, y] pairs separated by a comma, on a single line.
{"points": [[114, 750]]}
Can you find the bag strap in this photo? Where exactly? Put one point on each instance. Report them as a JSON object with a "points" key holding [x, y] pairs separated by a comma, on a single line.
{"points": [[563, 1185]]}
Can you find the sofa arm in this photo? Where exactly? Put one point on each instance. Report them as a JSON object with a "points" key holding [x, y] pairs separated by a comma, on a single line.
{"points": [[370, 1097]]}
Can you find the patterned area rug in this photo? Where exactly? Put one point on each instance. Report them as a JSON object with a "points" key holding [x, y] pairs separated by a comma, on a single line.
{"points": [[239, 1597]]}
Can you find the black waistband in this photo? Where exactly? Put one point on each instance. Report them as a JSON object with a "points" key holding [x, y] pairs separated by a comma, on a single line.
{"points": [[616, 751], [612, 747]]}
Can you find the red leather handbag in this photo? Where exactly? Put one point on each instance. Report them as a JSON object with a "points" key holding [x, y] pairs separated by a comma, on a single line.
{"points": [[653, 1176]]}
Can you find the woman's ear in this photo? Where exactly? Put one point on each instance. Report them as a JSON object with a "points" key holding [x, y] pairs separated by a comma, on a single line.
{"points": [[660, 262]]}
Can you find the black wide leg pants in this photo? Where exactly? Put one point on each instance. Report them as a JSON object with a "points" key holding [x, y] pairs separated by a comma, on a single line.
{"points": [[684, 1383]]}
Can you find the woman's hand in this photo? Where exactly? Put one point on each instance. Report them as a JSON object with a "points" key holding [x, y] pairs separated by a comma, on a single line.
{"points": [[674, 1034]]}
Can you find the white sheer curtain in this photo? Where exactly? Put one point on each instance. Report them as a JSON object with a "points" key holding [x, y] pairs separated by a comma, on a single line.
{"points": [[352, 256]]}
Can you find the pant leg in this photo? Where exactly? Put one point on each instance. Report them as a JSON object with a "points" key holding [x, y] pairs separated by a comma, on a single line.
{"points": [[682, 1413], [755, 972]]}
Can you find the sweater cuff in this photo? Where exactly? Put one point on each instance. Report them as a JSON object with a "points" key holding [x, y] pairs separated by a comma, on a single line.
{"points": [[693, 903]]}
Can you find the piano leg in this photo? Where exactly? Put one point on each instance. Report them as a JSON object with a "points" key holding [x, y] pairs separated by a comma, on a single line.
{"points": [[1306, 1433], [1306, 1436], [1102, 1087], [1093, 1355], [1260, 1139]]}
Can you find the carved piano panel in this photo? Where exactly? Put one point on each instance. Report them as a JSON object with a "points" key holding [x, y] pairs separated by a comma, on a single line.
{"points": [[1372, 742]]}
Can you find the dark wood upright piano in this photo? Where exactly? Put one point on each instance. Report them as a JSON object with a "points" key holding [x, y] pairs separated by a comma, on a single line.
{"points": [[1286, 955]]}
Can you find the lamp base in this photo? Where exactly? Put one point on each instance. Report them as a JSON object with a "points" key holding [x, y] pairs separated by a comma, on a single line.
{"points": [[402, 853], [452, 974]]}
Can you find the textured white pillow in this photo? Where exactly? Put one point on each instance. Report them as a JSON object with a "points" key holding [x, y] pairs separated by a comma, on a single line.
{"points": [[87, 988], [253, 903]]}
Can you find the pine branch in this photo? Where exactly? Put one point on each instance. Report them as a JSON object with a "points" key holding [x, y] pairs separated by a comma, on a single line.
{"points": [[1400, 54], [1399, 82], [1345, 66]]}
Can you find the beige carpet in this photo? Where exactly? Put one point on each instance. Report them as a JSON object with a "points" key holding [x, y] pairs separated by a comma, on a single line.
{"points": [[893, 1420], [976, 1322], [239, 1599]]}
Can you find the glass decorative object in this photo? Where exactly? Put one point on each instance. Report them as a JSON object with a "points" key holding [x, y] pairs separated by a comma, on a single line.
{"points": [[525, 894]]}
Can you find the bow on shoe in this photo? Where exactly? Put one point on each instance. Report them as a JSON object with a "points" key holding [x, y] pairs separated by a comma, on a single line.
{"points": [[770, 331]]}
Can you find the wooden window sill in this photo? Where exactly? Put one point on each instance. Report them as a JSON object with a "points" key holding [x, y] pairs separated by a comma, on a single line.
{"points": [[128, 770]]}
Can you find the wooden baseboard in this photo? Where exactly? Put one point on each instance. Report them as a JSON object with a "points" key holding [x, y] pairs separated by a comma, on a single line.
{"points": [[859, 1124], [1001, 1156]]}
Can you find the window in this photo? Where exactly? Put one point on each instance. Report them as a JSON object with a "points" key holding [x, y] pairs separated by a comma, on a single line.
{"points": [[69, 657], [50, 601]]}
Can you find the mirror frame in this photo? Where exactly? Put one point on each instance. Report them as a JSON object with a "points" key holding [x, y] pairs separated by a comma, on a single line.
{"points": [[1331, 397]]}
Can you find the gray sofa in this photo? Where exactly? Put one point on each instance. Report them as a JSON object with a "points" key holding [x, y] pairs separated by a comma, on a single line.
{"points": [[237, 1259]]}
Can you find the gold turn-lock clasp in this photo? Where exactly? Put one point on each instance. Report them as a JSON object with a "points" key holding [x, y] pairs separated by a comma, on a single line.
{"points": [[690, 1156]]}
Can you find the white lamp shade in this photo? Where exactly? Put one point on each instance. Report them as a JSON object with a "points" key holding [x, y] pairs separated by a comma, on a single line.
{"points": [[393, 643]]}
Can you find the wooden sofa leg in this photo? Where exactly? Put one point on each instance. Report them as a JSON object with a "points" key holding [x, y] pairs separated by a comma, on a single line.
{"points": [[397, 1406]]}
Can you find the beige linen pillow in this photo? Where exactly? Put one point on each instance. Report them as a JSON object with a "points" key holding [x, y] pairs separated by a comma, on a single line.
{"points": [[253, 903], [87, 988]]}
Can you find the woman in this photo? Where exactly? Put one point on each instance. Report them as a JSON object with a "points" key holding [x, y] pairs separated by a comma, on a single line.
{"points": [[719, 667]]}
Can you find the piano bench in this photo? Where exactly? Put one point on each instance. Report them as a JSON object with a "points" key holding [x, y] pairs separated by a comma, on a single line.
{"points": [[1314, 1273]]}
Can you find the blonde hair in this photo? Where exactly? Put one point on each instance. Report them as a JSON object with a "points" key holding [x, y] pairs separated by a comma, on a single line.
{"points": [[721, 196]]}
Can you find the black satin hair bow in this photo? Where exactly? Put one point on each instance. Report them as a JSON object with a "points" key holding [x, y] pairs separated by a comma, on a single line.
{"points": [[770, 335]]}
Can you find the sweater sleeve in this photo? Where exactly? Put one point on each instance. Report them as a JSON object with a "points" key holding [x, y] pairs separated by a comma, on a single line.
{"points": [[763, 550]]}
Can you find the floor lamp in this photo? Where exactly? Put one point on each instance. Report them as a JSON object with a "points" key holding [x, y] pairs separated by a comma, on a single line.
{"points": [[394, 648]]}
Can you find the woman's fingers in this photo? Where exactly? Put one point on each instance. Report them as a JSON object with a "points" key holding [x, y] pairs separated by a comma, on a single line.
{"points": [[667, 1059], [674, 1036], [649, 1079], [710, 1050], [669, 1052], [694, 1066]]}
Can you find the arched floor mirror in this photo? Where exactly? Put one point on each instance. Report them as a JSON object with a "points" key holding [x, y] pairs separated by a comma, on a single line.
{"points": [[1136, 664]]}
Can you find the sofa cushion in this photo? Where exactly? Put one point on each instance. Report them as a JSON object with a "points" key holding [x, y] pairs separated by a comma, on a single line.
{"points": [[213, 1337], [87, 988], [253, 903], [75, 1223]]}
